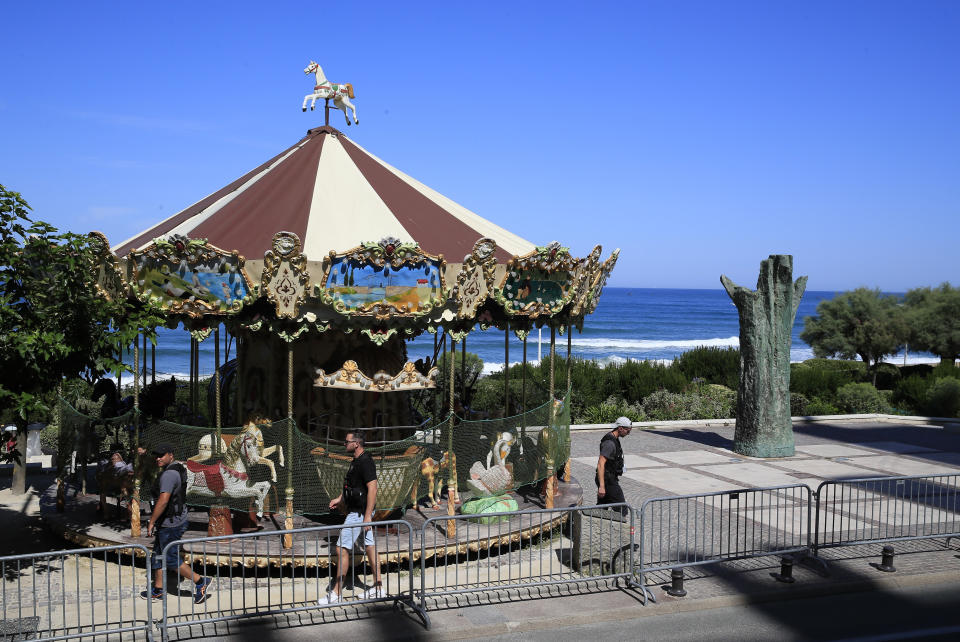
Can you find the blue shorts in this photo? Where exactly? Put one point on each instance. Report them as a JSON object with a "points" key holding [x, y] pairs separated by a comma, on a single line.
{"points": [[349, 535], [163, 537]]}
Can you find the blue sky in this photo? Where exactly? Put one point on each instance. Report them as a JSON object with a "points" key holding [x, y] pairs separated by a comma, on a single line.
{"points": [[697, 136]]}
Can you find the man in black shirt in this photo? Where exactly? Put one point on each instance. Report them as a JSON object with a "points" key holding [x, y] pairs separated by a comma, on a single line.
{"points": [[610, 464], [359, 496]]}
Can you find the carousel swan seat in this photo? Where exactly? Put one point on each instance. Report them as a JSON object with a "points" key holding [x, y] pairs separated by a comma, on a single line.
{"points": [[396, 474]]}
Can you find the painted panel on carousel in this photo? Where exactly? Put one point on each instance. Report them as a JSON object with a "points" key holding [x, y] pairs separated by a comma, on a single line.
{"points": [[190, 276], [539, 283], [384, 279]]}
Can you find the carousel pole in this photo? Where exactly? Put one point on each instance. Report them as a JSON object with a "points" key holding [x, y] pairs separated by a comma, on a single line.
{"points": [[452, 479], [153, 363], [523, 395], [566, 464], [193, 354], [288, 522], [61, 490], [144, 358], [436, 393], [135, 500], [551, 474], [506, 369], [216, 387], [463, 376]]}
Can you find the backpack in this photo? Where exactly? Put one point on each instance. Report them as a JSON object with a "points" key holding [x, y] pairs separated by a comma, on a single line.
{"points": [[178, 501]]}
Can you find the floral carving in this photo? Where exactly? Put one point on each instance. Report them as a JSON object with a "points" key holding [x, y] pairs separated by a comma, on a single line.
{"points": [[285, 276]]}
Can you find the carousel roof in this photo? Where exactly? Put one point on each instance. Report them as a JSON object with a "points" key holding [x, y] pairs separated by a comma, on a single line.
{"points": [[333, 194]]}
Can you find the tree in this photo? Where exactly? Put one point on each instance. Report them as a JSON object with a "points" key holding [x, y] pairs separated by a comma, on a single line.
{"points": [[861, 323], [934, 316], [464, 378], [54, 323]]}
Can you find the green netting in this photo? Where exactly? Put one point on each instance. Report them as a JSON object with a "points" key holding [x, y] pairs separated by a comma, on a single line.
{"points": [[492, 456]]}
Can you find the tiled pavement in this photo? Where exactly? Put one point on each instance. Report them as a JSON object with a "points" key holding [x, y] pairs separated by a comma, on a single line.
{"points": [[696, 460]]}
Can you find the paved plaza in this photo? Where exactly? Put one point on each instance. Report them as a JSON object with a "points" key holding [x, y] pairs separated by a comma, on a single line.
{"points": [[686, 460]]}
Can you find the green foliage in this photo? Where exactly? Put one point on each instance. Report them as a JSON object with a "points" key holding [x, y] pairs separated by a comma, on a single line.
{"points": [[712, 402], [860, 398], [861, 322], [943, 398], [888, 376], [798, 405], [715, 365], [934, 315], [610, 410], [818, 406], [823, 377], [466, 372], [53, 322], [910, 394]]}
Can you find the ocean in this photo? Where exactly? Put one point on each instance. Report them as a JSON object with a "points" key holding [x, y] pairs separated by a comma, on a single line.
{"points": [[629, 323]]}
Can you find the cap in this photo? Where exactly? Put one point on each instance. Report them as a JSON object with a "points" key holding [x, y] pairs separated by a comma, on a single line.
{"points": [[623, 422], [162, 449]]}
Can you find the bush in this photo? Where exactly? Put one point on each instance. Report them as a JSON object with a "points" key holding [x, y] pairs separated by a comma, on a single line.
{"points": [[910, 394], [608, 412], [860, 398], [818, 406], [888, 375], [823, 377], [798, 405], [714, 365], [712, 402], [943, 398]]}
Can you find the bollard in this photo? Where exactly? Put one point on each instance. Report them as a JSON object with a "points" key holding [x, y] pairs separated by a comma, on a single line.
{"points": [[886, 560], [786, 571], [676, 586]]}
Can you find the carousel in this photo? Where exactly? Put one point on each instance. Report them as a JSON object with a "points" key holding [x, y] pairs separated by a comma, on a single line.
{"points": [[318, 268]]}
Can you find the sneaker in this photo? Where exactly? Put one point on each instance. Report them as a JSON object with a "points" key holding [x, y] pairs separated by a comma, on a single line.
{"points": [[200, 590], [154, 593], [329, 598], [373, 593]]}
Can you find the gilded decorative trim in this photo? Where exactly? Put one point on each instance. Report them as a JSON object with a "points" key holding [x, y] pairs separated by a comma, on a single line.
{"points": [[284, 278], [379, 336], [475, 280], [351, 377], [109, 282], [586, 275], [597, 288]]}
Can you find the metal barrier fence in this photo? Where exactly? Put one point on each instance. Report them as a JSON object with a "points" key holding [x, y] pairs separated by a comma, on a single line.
{"points": [[689, 530], [886, 509], [253, 575], [76, 593], [525, 549]]}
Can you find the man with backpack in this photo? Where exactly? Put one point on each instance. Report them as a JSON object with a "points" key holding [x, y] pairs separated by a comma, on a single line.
{"points": [[610, 464], [168, 522]]}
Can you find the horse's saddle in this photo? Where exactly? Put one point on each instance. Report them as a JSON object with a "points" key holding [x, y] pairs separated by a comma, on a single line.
{"points": [[213, 476]]}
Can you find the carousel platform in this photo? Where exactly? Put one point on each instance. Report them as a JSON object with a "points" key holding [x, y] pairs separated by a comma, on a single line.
{"points": [[81, 523]]}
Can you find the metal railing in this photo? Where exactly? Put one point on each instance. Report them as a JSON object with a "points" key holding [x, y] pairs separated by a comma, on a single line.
{"points": [[525, 549], [886, 509], [76, 593], [690, 530], [254, 575]]}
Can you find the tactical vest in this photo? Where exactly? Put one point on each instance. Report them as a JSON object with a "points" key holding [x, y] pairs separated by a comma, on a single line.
{"points": [[614, 467], [178, 500]]}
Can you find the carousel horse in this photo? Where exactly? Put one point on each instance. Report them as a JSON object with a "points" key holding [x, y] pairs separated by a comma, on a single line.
{"points": [[113, 405], [496, 478], [341, 94], [156, 397], [231, 476]]}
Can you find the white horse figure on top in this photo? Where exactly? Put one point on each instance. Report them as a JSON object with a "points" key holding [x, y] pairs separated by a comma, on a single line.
{"points": [[323, 88]]}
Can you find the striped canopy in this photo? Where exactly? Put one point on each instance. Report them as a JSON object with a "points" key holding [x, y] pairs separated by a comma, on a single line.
{"points": [[334, 195]]}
